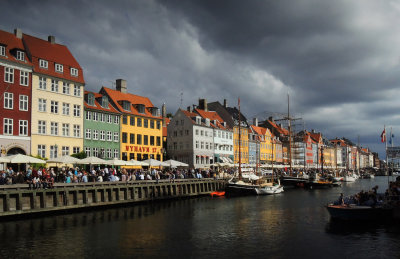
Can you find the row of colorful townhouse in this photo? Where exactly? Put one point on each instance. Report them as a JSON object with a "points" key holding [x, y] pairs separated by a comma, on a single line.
{"points": [[208, 133], [45, 110]]}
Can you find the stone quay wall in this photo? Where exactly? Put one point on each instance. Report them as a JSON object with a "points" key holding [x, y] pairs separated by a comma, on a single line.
{"points": [[18, 199]]}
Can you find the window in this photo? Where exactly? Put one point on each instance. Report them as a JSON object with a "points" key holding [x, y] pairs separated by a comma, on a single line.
{"points": [[151, 140], [88, 115], [124, 137], [8, 100], [2, 50], [43, 63], [42, 105], [158, 124], [116, 137], [42, 83], [74, 71], [95, 152], [20, 55], [23, 128], [158, 141], [42, 127], [126, 105], [109, 153], [54, 128], [102, 135], [88, 134], [8, 126], [87, 151], [116, 153], [8, 75], [23, 78], [65, 151], [145, 140], [53, 151], [139, 139], [116, 119], [23, 102], [151, 124], [101, 115], [54, 85], [77, 131], [141, 108], [77, 90], [76, 150], [54, 107], [65, 88], [95, 116], [197, 132], [65, 108], [59, 68], [132, 121], [41, 150], [109, 136], [146, 123], [105, 117], [109, 118], [139, 122], [65, 129], [77, 110], [131, 138], [95, 134], [124, 119]]}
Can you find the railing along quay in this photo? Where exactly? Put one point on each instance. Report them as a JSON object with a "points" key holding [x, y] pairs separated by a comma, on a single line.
{"points": [[18, 199]]}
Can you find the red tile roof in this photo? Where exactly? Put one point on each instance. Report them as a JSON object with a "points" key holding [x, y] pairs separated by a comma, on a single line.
{"points": [[281, 130], [117, 96], [97, 105], [317, 137], [12, 42], [53, 53], [212, 115]]}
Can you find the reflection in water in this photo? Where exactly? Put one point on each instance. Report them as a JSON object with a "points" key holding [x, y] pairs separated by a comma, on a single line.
{"points": [[293, 224]]}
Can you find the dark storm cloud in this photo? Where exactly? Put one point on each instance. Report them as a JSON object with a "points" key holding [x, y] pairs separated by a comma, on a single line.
{"points": [[338, 59]]}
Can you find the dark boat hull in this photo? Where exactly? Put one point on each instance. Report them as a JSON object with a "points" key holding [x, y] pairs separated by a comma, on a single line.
{"points": [[289, 181], [232, 189], [357, 212]]}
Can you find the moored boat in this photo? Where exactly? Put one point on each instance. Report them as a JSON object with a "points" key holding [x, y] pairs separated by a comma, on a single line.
{"points": [[358, 212]]}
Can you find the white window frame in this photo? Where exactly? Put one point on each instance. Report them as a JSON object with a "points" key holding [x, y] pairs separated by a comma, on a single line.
{"points": [[2, 50], [116, 119], [95, 134], [8, 100], [102, 135], [77, 90], [76, 150], [116, 136], [66, 88], [65, 129], [74, 71], [109, 136], [9, 75], [65, 109], [23, 127], [77, 110], [54, 85], [88, 151], [54, 128], [88, 115], [109, 153], [41, 150], [95, 116], [23, 102], [77, 130], [59, 68], [8, 126], [24, 78], [65, 151], [116, 153], [95, 151], [43, 63], [54, 107], [43, 83], [53, 151], [109, 119], [42, 105], [41, 127], [88, 134], [20, 55]]}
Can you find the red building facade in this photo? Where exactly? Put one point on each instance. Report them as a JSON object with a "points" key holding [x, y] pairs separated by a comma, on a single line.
{"points": [[15, 94]]}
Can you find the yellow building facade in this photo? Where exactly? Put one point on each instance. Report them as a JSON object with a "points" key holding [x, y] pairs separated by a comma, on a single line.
{"points": [[57, 117], [244, 144]]}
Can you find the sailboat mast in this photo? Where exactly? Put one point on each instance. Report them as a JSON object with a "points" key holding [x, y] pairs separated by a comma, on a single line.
{"points": [[240, 146], [290, 134]]}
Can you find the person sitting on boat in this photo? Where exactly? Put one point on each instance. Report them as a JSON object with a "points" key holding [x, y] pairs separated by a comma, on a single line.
{"points": [[341, 199]]}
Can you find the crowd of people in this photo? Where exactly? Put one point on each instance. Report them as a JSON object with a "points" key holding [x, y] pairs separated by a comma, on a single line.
{"points": [[46, 177]]}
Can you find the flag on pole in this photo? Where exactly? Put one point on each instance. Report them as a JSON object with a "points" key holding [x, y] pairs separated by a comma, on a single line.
{"points": [[391, 139], [383, 135]]}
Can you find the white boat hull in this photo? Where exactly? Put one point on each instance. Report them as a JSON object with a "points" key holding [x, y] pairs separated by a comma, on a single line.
{"points": [[268, 190]]}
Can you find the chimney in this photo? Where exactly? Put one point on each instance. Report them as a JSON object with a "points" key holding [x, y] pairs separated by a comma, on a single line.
{"points": [[189, 109], [255, 122], [271, 119], [225, 103], [51, 39], [203, 104], [164, 114], [121, 85], [18, 33]]}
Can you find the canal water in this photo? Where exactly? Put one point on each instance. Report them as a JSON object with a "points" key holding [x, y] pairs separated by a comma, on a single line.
{"points": [[293, 224]]}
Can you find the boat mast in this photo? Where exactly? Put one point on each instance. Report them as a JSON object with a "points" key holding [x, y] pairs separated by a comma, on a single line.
{"points": [[290, 134], [240, 147]]}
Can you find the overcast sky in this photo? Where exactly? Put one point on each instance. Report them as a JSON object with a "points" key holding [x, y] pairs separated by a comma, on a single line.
{"points": [[339, 60]]}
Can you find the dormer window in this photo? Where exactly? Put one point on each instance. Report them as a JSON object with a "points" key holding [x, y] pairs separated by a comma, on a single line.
{"points": [[20, 55], [74, 71], [104, 102], [90, 99], [2, 50], [43, 63], [198, 120], [126, 105], [155, 111], [59, 68], [141, 108]]}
